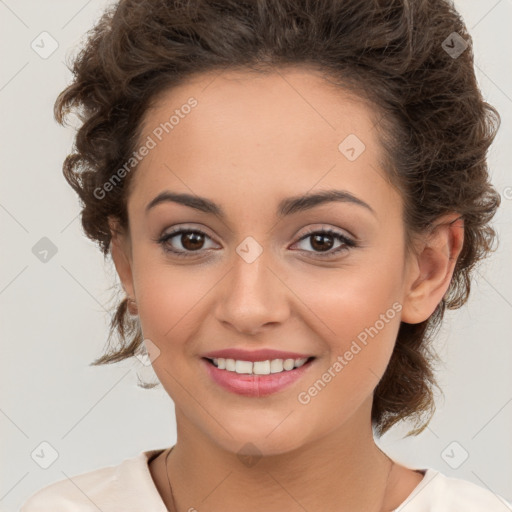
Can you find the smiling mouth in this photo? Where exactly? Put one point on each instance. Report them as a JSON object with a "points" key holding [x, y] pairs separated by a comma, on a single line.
{"points": [[259, 368]]}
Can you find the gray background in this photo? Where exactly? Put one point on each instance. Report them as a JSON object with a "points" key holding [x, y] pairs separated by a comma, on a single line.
{"points": [[54, 314]]}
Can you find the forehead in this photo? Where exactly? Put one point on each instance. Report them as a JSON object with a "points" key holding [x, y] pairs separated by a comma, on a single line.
{"points": [[283, 133]]}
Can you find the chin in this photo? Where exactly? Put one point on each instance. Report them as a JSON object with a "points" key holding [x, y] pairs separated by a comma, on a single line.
{"points": [[257, 445]]}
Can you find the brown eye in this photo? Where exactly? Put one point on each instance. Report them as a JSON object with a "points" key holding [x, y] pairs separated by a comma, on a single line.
{"points": [[192, 241], [184, 241], [322, 242]]}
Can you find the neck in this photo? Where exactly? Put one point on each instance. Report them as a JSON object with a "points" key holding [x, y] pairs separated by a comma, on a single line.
{"points": [[343, 471]]}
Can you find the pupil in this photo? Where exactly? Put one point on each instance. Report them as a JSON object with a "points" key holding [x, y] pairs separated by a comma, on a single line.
{"points": [[194, 238], [319, 239]]}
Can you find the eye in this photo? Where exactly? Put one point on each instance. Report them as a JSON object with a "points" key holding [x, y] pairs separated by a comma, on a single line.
{"points": [[193, 240], [323, 240], [190, 240]]}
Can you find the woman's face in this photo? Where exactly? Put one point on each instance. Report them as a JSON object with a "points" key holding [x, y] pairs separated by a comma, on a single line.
{"points": [[252, 279]]}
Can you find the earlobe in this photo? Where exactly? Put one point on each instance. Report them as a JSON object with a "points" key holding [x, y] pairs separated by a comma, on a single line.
{"points": [[431, 271], [119, 250]]}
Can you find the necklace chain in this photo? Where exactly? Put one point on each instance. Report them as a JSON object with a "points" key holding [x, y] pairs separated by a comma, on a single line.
{"points": [[175, 509]]}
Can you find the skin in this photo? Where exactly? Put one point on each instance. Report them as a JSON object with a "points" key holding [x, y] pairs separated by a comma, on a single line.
{"points": [[250, 142]]}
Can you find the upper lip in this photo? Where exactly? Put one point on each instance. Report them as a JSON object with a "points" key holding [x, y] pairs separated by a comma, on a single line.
{"points": [[263, 354]]}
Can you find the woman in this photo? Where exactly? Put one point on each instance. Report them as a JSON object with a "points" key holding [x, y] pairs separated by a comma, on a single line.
{"points": [[292, 192]]}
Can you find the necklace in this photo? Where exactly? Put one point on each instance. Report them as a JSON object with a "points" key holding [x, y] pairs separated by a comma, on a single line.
{"points": [[174, 509]]}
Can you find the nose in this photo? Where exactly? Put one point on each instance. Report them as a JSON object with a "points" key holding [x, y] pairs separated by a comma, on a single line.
{"points": [[253, 296]]}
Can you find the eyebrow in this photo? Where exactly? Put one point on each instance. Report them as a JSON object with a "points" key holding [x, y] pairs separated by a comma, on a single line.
{"points": [[288, 206]]}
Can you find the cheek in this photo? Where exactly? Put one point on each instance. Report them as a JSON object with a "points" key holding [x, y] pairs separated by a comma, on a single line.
{"points": [[166, 298], [357, 313], [359, 320], [349, 300]]}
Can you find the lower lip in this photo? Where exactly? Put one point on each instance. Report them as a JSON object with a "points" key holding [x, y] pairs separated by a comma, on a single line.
{"points": [[255, 385]]}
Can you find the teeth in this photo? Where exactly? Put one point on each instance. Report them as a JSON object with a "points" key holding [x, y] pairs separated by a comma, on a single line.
{"points": [[261, 367], [258, 367], [276, 366], [288, 364], [243, 367]]}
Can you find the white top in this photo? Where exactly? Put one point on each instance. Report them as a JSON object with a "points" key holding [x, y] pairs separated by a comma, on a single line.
{"points": [[129, 487]]}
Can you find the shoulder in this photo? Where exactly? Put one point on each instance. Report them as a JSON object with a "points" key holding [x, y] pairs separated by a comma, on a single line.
{"points": [[76, 493], [127, 485], [440, 493]]}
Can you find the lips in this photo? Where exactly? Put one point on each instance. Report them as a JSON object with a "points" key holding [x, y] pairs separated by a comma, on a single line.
{"points": [[256, 385]]}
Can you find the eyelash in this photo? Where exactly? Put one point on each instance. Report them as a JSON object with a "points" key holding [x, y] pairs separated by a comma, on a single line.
{"points": [[347, 242]]}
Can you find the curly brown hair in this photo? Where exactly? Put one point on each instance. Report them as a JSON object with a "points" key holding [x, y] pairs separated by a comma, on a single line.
{"points": [[435, 126]]}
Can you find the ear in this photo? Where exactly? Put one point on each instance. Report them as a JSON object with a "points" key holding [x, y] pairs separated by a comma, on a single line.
{"points": [[120, 250], [430, 269]]}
